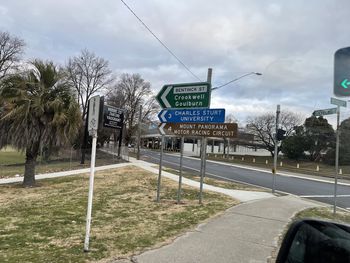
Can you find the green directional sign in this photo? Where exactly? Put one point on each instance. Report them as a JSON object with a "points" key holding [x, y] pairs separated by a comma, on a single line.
{"points": [[325, 112], [342, 72], [187, 95]]}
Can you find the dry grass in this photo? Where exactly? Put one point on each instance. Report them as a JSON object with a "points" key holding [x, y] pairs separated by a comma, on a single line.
{"points": [[47, 223]]}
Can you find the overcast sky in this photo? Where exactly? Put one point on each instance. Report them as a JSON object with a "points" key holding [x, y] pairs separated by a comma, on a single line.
{"points": [[292, 43]]}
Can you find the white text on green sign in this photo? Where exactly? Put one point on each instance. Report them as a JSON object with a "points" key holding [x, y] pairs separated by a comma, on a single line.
{"points": [[189, 95]]}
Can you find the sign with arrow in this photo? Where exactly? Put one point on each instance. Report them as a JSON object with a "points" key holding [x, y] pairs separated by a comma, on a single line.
{"points": [[187, 95], [345, 83], [324, 112], [223, 130], [192, 115]]}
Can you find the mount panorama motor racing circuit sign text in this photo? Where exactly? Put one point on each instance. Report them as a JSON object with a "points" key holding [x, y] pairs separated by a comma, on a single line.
{"points": [[188, 95], [227, 130]]}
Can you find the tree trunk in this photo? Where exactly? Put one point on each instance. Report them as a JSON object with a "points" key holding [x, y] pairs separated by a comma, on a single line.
{"points": [[29, 170]]}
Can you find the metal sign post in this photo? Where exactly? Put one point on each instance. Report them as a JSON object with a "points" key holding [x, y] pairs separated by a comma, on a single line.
{"points": [[160, 169], [204, 149], [180, 175], [94, 106], [276, 151], [339, 103], [336, 162]]}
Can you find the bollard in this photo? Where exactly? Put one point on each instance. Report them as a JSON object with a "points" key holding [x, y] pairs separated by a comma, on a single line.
{"points": [[253, 160], [242, 158], [317, 168], [281, 163], [215, 156], [297, 166], [233, 157], [267, 161], [340, 171]]}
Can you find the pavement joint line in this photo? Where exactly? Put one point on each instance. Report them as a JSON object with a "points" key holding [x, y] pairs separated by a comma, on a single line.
{"points": [[261, 217], [255, 243], [265, 171]]}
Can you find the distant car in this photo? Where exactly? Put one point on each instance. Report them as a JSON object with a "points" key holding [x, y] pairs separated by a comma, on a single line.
{"points": [[131, 146]]}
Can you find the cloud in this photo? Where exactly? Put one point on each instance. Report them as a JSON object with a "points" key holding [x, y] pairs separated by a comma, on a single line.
{"points": [[291, 42]]}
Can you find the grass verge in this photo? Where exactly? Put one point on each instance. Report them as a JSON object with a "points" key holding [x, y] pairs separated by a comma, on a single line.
{"points": [[47, 223], [325, 213], [12, 164]]}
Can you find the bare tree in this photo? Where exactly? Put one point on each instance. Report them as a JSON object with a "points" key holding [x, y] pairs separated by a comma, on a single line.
{"points": [[88, 74], [264, 127], [131, 91], [11, 49]]}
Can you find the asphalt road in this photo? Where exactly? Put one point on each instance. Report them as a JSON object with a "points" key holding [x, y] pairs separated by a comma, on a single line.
{"points": [[315, 190]]}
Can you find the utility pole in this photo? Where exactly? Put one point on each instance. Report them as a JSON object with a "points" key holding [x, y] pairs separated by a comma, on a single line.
{"points": [[204, 148], [276, 151], [139, 134]]}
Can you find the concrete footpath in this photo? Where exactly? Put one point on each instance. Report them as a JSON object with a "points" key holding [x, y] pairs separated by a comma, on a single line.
{"points": [[245, 233]]}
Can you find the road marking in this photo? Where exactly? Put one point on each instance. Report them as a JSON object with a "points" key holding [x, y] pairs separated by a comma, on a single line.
{"points": [[322, 196], [269, 172]]}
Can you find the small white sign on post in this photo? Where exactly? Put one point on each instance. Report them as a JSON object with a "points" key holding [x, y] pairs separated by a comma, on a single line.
{"points": [[94, 108], [93, 114]]}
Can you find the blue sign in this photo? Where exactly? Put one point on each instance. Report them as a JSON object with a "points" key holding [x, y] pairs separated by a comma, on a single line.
{"points": [[192, 115]]}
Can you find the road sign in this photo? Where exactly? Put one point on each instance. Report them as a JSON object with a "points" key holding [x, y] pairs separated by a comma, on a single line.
{"points": [[227, 130], [192, 115], [341, 103], [324, 112], [94, 108], [113, 117], [187, 95], [342, 72]]}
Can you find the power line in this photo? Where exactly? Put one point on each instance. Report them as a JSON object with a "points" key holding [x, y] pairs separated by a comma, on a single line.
{"points": [[172, 53]]}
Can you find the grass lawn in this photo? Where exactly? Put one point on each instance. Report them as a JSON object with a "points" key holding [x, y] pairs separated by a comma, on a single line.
{"points": [[12, 163], [11, 156], [47, 223]]}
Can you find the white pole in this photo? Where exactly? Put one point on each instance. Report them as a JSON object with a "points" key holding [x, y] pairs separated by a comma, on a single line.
{"points": [[91, 190], [276, 151]]}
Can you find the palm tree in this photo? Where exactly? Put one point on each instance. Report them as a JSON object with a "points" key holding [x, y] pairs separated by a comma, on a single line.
{"points": [[39, 109]]}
